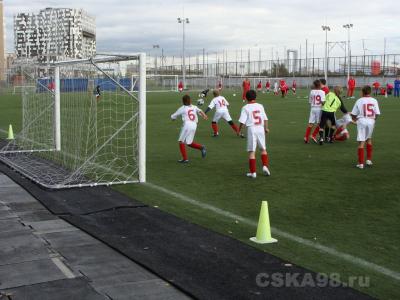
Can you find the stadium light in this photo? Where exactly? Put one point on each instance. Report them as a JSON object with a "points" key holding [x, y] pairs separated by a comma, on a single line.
{"points": [[326, 29], [348, 27], [183, 21]]}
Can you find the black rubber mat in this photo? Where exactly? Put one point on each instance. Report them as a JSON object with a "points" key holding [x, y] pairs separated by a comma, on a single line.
{"points": [[202, 263]]}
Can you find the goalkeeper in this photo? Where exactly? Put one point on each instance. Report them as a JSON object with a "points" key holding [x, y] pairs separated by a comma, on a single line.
{"points": [[203, 94], [333, 102], [97, 93]]}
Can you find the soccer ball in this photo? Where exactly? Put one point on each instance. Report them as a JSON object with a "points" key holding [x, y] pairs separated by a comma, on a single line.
{"points": [[234, 95], [200, 102]]}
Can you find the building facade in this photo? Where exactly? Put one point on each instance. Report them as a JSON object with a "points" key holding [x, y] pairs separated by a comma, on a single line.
{"points": [[2, 44], [55, 34]]}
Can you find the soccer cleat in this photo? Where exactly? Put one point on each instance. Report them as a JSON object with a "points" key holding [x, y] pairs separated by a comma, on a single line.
{"points": [[215, 134], [369, 163], [305, 140], [360, 166], [321, 141], [203, 152], [242, 136], [183, 161], [251, 175], [314, 139], [266, 171]]}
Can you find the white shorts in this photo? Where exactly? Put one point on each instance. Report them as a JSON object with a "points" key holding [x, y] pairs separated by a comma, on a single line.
{"points": [[255, 137], [222, 114], [315, 116], [187, 133], [365, 128]]}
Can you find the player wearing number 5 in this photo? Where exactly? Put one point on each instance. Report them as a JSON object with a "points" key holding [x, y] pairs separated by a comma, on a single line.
{"points": [[189, 113], [316, 100], [221, 111], [365, 112], [254, 118]]}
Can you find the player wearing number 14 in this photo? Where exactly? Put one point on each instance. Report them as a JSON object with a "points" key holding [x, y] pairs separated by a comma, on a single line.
{"points": [[365, 112], [188, 113]]}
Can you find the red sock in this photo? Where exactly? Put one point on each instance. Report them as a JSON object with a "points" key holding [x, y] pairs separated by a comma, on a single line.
{"points": [[183, 150], [195, 146], [235, 128], [369, 151], [307, 135], [252, 165], [265, 159], [315, 132], [361, 156], [214, 127]]}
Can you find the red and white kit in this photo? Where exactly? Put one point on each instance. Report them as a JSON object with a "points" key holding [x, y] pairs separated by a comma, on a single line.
{"points": [[365, 110], [316, 100], [221, 109], [253, 116], [190, 120]]}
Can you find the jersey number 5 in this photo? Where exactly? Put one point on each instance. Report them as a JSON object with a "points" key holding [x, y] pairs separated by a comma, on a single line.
{"points": [[191, 115], [256, 117]]}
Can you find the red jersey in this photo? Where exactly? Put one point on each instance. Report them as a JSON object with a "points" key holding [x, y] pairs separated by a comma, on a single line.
{"points": [[294, 84], [259, 86], [180, 85], [376, 84], [351, 83], [325, 89], [246, 85], [282, 85], [268, 85]]}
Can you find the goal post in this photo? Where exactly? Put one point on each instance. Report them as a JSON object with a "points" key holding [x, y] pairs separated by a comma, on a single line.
{"points": [[82, 123]]}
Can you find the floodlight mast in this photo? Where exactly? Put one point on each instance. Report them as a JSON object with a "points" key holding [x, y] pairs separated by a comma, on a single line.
{"points": [[348, 27], [326, 29], [183, 21]]}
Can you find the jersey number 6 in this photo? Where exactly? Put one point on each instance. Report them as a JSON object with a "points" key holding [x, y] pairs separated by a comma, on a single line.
{"points": [[191, 115]]}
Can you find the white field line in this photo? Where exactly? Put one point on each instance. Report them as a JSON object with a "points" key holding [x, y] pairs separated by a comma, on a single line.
{"points": [[328, 250]]}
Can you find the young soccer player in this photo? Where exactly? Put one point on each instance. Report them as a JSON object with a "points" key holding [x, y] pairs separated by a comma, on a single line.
{"points": [[259, 86], [283, 87], [189, 113], [397, 87], [276, 88], [219, 86], [221, 111], [180, 86], [268, 86], [365, 112], [97, 93], [342, 134], [254, 118], [245, 88], [294, 85], [351, 85], [376, 86], [316, 100], [203, 94], [324, 87]]}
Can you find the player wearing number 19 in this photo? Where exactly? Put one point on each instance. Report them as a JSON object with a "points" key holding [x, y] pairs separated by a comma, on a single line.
{"points": [[253, 116], [221, 111], [365, 112], [316, 100], [188, 112]]}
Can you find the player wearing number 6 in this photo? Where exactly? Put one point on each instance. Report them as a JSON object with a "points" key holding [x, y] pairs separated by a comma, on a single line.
{"points": [[221, 111], [316, 99], [254, 118], [365, 112], [188, 112]]}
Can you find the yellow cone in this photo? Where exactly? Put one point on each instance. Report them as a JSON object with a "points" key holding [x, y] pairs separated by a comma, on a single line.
{"points": [[263, 235], [10, 133]]}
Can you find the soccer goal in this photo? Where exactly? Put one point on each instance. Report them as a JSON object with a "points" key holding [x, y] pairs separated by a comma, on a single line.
{"points": [[89, 130], [158, 83]]}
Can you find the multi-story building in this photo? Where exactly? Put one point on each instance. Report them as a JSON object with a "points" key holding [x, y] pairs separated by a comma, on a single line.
{"points": [[55, 34], [2, 44]]}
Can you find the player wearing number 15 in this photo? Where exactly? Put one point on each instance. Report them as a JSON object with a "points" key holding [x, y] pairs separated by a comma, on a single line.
{"points": [[365, 112], [188, 112], [254, 118], [316, 100]]}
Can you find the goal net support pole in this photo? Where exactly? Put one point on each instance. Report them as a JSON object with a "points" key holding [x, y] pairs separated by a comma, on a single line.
{"points": [[57, 109], [142, 117]]}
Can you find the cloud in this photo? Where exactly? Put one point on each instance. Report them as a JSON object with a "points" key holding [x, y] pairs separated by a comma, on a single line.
{"points": [[133, 26]]}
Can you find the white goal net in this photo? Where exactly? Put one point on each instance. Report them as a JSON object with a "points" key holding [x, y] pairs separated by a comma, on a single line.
{"points": [[160, 83], [83, 123]]}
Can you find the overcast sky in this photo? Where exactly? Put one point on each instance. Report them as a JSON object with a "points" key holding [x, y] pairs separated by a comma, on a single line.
{"points": [[133, 25]]}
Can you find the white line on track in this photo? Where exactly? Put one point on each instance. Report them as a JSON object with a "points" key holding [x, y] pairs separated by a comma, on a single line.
{"points": [[328, 250]]}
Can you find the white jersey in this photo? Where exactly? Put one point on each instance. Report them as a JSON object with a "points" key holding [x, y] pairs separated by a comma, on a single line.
{"points": [[316, 99], [220, 104], [366, 108], [276, 86], [253, 115], [188, 114]]}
